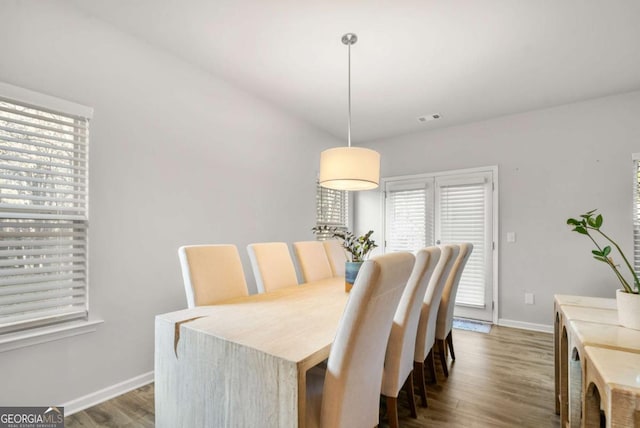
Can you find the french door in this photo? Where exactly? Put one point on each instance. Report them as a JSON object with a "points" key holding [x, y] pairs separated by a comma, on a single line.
{"points": [[448, 208]]}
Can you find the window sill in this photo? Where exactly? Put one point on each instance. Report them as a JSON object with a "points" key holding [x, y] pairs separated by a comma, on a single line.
{"points": [[36, 336]]}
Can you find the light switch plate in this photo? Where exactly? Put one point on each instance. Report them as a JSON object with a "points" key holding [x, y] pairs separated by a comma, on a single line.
{"points": [[511, 237]]}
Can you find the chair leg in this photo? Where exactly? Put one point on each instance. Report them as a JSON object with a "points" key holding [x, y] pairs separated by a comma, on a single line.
{"points": [[443, 357], [431, 365], [450, 343], [392, 411], [418, 368], [408, 386]]}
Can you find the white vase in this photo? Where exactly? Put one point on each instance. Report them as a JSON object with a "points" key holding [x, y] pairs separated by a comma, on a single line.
{"points": [[628, 309]]}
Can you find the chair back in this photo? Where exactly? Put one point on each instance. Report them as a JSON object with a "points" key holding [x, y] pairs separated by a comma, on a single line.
{"points": [[398, 362], [313, 261], [337, 256], [448, 302], [426, 335], [272, 266], [211, 274], [351, 391]]}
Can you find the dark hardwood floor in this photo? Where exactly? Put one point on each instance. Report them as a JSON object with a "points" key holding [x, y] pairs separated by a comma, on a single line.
{"points": [[500, 379]]}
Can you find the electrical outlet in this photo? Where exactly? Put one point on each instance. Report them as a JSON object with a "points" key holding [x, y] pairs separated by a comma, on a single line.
{"points": [[529, 298]]}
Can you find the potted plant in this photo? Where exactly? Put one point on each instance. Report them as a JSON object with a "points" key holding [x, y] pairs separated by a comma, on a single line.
{"points": [[628, 298], [358, 248]]}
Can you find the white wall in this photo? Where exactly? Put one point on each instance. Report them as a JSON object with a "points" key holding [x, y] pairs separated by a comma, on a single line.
{"points": [[553, 164], [177, 157]]}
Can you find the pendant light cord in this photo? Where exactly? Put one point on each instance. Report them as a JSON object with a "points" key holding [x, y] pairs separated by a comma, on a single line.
{"points": [[349, 86]]}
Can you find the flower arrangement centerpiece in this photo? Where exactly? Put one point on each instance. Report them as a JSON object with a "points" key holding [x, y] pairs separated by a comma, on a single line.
{"points": [[628, 298], [358, 248]]}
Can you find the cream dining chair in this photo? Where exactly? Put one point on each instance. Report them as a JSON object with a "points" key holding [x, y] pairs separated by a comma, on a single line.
{"points": [[347, 393], [425, 337], [444, 325], [211, 273], [337, 256], [272, 266], [398, 363], [312, 260]]}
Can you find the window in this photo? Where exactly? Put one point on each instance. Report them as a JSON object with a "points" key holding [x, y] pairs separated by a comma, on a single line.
{"points": [[409, 225], [636, 212], [462, 213], [332, 209], [43, 209]]}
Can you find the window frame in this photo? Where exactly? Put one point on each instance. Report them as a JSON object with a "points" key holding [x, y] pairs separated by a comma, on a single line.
{"points": [[32, 331]]}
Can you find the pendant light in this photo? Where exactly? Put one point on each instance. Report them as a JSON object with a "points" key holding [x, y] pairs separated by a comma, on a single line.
{"points": [[349, 168]]}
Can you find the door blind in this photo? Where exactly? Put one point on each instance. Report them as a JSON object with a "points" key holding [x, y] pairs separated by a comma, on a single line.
{"points": [[43, 215], [409, 223], [462, 219]]}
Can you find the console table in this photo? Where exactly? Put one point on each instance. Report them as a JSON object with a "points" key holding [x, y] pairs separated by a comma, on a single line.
{"points": [[584, 327], [616, 376]]}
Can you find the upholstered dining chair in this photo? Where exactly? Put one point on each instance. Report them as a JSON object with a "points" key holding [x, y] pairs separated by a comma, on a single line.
{"points": [[347, 393], [425, 337], [398, 363], [272, 266], [211, 274], [313, 261], [444, 324], [337, 256]]}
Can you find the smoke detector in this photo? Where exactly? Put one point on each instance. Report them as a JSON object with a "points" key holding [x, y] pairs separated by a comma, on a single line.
{"points": [[428, 118]]}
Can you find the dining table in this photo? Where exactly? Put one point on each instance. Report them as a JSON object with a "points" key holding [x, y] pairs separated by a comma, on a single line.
{"points": [[243, 362]]}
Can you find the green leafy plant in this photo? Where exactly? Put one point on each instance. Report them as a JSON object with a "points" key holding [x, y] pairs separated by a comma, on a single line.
{"points": [[358, 246], [589, 224]]}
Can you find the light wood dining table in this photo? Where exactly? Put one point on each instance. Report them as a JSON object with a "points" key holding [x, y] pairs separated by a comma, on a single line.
{"points": [[243, 362]]}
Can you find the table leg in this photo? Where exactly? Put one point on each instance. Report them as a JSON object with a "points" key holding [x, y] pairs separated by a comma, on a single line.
{"points": [[556, 357], [564, 378]]}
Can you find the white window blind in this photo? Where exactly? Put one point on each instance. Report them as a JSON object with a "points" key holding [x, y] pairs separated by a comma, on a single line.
{"points": [[332, 209], [409, 224], [43, 213], [636, 212], [462, 211]]}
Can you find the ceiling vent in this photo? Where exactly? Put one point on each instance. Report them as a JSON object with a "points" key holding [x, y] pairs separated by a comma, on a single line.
{"points": [[428, 118]]}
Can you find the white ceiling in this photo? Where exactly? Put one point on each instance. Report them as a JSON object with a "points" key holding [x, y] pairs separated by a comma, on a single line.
{"points": [[464, 59]]}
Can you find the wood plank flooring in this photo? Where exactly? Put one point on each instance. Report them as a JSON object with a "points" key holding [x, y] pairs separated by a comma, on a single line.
{"points": [[500, 379]]}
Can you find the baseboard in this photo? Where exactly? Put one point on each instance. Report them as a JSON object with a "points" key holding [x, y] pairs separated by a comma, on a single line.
{"points": [[107, 393], [526, 325]]}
